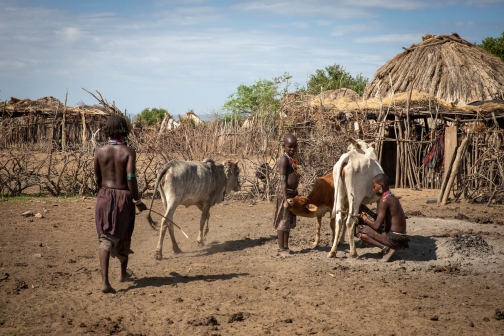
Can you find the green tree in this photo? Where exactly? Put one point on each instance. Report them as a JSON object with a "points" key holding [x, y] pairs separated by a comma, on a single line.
{"points": [[335, 77], [150, 116], [262, 97], [494, 45]]}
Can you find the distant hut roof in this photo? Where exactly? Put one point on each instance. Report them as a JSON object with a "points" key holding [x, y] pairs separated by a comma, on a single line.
{"points": [[192, 116], [446, 67], [45, 106]]}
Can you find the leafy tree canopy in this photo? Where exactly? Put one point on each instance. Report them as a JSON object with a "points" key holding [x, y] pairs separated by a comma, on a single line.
{"points": [[150, 116], [494, 45], [335, 77], [262, 97]]}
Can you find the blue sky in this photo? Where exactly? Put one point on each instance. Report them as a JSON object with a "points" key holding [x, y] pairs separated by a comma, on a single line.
{"points": [[193, 54]]}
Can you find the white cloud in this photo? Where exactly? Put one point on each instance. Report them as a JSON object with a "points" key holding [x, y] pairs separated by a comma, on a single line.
{"points": [[347, 29], [337, 9], [390, 38], [324, 22], [70, 34]]}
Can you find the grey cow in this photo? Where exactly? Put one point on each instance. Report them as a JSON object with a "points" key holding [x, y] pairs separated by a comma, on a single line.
{"points": [[192, 183]]}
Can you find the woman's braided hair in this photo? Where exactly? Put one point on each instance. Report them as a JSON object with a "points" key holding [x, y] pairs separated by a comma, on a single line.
{"points": [[116, 127]]}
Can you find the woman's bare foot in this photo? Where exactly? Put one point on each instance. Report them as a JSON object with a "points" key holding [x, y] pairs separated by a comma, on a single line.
{"points": [[125, 276], [106, 288]]}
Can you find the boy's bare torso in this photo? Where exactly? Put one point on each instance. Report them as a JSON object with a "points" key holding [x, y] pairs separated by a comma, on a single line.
{"points": [[395, 218]]}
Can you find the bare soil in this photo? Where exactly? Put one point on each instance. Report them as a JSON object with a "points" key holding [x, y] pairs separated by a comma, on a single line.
{"points": [[449, 282]]}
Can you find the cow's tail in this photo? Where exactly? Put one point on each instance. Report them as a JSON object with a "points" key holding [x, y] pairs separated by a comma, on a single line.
{"points": [[337, 180], [160, 175]]}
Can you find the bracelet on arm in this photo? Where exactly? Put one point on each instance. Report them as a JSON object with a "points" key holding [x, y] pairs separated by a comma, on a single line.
{"points": [[283, 177], [136, 202], [130, 176]]}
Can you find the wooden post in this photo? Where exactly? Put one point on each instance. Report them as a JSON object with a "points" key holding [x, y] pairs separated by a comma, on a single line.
{"points": [[446, 174], [63, 124], [456, 164], [83, 127]]}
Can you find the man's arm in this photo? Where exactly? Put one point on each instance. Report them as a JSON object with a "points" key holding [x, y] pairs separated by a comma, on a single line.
{"points": [[97, 171], [282, 169], [132, 181], [376, 224]]}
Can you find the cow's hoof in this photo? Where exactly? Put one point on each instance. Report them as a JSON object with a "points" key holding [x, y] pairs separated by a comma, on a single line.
{"points": [[177, 250], [201, 244], [158, 255], [331, 254], [315, 245], [354, 255]]}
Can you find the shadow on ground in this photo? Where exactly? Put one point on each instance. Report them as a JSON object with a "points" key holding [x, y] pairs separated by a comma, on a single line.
{"points": [[234, 245], [175, 278], [421, 248]]}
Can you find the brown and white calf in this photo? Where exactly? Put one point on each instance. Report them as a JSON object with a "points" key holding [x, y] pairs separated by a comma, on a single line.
{"points": [[319, 202]]}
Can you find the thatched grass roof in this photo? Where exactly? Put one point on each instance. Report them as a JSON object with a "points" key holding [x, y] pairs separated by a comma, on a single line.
{"points": [[419, 103], [446, 67], [46, 106]]}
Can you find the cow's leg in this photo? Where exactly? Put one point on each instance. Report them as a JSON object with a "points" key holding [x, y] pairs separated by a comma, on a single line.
{"points": [[333, 228], [317, 232], [167, 224], [205, 216], [339, 231], [207, 228], [350, 225]]}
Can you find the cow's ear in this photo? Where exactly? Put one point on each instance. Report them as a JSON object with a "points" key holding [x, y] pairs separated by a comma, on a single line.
{"points": [[311, 207]]}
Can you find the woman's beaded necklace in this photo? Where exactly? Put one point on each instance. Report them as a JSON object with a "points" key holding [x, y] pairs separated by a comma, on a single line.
{"points": [[115, 142], [386, 194], [293, 163]]}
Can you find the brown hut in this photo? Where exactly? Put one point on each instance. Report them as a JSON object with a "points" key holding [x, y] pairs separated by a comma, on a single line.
{"points": [[25, 121], [446, 67]]}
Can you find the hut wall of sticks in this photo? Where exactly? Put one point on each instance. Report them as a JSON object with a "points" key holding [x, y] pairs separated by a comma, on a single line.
{"points": [[25, 123], [436, 125], [421, 142]]}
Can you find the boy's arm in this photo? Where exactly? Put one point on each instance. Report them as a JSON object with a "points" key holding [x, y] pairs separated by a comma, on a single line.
{"points": [[97, 171], [132, 181], [376, 224], [282, 169]]}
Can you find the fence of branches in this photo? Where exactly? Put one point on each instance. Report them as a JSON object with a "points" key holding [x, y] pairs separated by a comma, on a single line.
{"points": [[43, 168]]}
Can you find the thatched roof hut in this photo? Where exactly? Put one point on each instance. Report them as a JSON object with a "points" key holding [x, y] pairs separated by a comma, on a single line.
{"points": [[24, 121], [446, 67], [191, 117]]}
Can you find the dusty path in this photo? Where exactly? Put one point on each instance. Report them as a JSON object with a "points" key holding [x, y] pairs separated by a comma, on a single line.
{"points": [[449, 282]]}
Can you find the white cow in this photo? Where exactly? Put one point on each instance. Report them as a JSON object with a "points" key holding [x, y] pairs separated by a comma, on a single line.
{"points": [[192, 183], [352, 176]]}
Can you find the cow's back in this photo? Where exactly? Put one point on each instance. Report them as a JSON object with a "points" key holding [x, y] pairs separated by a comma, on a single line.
{"points": [[194, 182]]}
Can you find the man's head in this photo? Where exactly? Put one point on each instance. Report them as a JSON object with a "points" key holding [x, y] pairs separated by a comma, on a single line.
{"points": [[290, 144], [380, 184], [116, 127]]}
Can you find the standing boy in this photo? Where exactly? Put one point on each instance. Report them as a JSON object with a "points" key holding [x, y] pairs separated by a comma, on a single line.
{"points": [[285, 220], [114, 167], [390, 212]]}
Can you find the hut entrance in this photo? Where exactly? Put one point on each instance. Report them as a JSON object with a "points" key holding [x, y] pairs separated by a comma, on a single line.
{"points": [[389, 157]]}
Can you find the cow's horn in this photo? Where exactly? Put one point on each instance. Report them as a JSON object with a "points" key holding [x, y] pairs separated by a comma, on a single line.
{"points": [[371, 144], [355, 143]]}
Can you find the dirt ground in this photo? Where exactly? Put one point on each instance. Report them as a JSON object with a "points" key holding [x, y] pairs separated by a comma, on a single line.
{"points": [[449, 282]]}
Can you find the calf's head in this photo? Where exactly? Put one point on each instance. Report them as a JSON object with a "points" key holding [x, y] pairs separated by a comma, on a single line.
{"points": [[300, 206], [232, 175]]}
